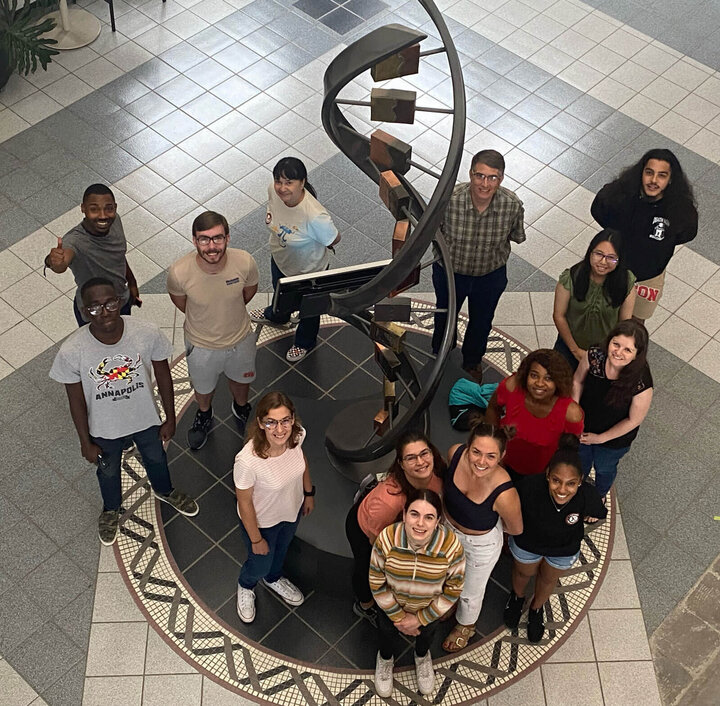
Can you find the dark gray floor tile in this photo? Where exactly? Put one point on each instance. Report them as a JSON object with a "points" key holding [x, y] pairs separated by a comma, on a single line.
{"points": [[20, 616], [22, 548], [351, 204], [264, 41], [94, 105], [34, 485], [696, 530], [590, 110], [655, 602], [621, 128], [17, 394], [543, 146], [154, 73], [528, 76], [150, 108], [32, 142], [341, 21], [537, 282], [177, 126], [559, 93], [181, 90], [349, 174], [56, 162], [84, 549], [183, 56], [124, 90], [566, 128], [22, 183], [664, 365], [511, 128], [112, 163], [49, 204], [45, 656], [602, 176], [207, 109], [518, 272], [69, 689], [238, 25], [8, 162], [499, 59], [120, 125], [674, 570], [378, 225], [575, 165], [641, 538], [289, 58], [326, 184], [146, 145], [535, 110], [705, 391], [506, 93], [483, 111], [598, 145], [697, 167], [77, 618]]}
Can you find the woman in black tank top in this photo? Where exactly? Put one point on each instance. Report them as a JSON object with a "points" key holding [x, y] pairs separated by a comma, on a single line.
{"points": [[477, 495]]}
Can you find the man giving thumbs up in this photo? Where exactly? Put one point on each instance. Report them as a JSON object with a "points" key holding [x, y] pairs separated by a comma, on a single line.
{"points": [[96, 247]]}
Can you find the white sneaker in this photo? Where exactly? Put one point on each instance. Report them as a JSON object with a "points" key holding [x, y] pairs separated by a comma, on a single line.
{"points": [[287, 590], [245, 604], [384, 676], [425, 674]]}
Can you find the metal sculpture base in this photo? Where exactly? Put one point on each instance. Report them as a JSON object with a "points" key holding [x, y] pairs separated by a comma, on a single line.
{"points": [[74, 27]]}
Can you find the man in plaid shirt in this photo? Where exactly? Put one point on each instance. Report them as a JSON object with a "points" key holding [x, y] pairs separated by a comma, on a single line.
{"points": [[481, 219]]}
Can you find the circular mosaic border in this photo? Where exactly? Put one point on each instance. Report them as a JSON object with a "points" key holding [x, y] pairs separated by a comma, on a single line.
{"points": [[254, 672]]}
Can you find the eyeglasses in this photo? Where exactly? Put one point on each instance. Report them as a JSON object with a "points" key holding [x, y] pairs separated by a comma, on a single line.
{"points": [[110, 305], [610, 259], [205, 240], [490, 178], [272, 423], [414, 458]]}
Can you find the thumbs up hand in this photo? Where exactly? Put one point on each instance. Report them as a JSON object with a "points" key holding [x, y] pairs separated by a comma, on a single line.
{"points": [[57, 255]]}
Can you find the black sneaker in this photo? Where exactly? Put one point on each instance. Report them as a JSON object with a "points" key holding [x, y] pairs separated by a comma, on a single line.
{"points": [[242, 414], [198, 432], [535, 627], [370, 614], [513, 610]]}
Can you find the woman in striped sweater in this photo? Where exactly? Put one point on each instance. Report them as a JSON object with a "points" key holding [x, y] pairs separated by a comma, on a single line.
{"points": [[417, 571]]}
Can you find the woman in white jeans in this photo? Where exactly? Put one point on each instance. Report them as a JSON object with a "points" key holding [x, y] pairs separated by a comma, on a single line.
{"points": [[479, 499]]}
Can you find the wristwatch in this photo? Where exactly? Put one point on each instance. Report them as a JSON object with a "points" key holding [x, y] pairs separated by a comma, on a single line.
{"points": [[309, 493]]}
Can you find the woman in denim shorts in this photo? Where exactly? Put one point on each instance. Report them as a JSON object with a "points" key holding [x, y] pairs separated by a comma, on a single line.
{"points": [[554, 506]]}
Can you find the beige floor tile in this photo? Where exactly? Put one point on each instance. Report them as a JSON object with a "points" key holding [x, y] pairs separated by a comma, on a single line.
{"points": [[551, 184], [5, 369], [139, 225], [33, 248], [547, 335], [712, 287], [528, 692], [576, 648], [578, 202], [56, 320], [174, 164], [159, 309], [142, 184], [14, 690], [107, 563], [559, 225], [534, 204], [255, 184], [100, 691], [36, 107], [572, 684], [165, 247], [116, 649], [562, 260], [62, 224], [579, 244], [537, 248], [542, 307], [619, 635], [680, 338], [525, 335], [702, 312], [179, 690], [629, 683], [22, 343], [620, 547], [68, 90], [160, 658], [691, 268], [8, 316], [170, 204], [660, 316], [514, 308], [30, 294], [142, 266], [232, 203], [12, 269], [618, 588], [113, 602], [611, 92], [707, 359], [213, 694]]}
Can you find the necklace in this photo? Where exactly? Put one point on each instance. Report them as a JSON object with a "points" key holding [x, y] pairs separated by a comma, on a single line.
{"points": [[552, 500]]}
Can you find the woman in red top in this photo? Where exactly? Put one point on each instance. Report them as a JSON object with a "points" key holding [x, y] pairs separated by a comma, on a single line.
{"points": [[536, 401]]}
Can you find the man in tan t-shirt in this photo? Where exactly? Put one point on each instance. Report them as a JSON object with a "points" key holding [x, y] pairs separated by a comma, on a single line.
{"points": [[212, 287]]}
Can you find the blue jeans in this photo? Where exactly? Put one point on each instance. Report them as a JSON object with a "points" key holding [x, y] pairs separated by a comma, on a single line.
{"points": [[124, 311], [605, 461], [153, 457], [562, 348], [267, 566], [483, 294], [307, 330]]}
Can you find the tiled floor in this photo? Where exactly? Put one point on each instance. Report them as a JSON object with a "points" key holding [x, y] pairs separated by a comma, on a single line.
{"points": [[189, 105]]}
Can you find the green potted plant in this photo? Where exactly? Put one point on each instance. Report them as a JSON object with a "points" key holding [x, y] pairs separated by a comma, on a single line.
{"points": [[22, 45]]}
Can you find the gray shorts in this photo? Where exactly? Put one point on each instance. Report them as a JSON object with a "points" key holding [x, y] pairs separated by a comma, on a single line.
{"points": [[205, 364]]}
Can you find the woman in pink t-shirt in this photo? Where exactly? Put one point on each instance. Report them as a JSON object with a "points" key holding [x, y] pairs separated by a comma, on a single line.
{"points": [[273, 489], [536, 401], [417, 464]]}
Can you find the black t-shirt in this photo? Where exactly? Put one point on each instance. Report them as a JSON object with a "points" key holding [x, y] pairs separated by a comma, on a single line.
{"points": [[546, 530], [651, 229], [599, 415]]}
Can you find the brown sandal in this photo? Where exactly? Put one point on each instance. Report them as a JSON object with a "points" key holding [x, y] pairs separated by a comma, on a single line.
{"points": [[458, 638]]}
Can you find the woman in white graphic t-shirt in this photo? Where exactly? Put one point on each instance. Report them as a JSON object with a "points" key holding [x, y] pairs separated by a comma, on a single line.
{"points": [[301, 233]]}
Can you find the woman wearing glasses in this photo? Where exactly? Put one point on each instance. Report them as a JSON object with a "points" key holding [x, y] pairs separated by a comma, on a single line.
{"points": [[479, 499], [417, 464], [273, 488], [592, 296]]}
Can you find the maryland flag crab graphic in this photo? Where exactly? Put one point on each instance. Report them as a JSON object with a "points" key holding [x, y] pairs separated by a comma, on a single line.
{"points": [[118, 367]]}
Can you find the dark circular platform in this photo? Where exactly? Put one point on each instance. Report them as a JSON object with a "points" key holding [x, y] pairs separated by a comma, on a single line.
{"points": [[209, 552]]}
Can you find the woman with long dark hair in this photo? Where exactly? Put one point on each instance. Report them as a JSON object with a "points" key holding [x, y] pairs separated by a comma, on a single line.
{"points": [[301, 234], [652, 204], [592, 296], [614, 387], [417, 464], [273, 489]]}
